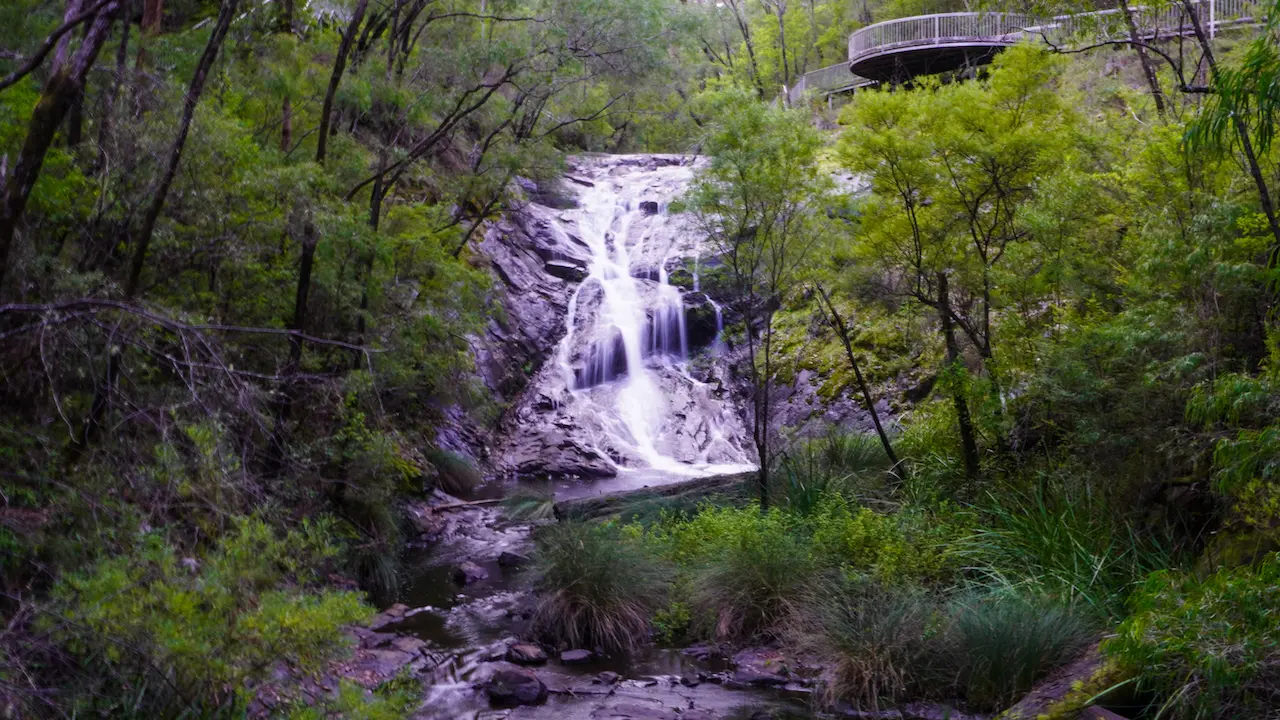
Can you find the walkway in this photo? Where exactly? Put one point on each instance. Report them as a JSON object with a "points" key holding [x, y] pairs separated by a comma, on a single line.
{"points": [[901, 49]]}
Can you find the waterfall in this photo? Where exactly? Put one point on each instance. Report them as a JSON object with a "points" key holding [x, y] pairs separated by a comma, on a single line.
{"points": [[622, 388]]}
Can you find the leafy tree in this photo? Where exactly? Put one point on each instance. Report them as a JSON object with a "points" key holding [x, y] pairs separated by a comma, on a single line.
{"points": [[760, 201]]}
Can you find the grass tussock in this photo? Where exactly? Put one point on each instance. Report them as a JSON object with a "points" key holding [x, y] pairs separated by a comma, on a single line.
{"points": [[455, 474], [1065, 546], [835, 463], [599, 586], [1001, 645], [875, 639]]}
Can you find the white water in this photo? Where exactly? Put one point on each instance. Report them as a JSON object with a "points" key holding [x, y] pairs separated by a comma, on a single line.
{"points": [[625, 388]]}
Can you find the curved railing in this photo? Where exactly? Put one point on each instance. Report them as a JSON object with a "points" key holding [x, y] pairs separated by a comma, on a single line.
{"points": [[986, 29], [940, 29]]}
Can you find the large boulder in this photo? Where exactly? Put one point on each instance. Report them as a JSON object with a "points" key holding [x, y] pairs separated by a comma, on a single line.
{"points": [[509, 687]]}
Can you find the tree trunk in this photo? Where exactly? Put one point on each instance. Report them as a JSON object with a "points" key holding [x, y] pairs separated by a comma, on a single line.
{"points": [[339, 66], [225, 15], [65, 82], [109, 104], [837, 323], [286, 105], [968, 446], [284, 405], [1153, 80]]}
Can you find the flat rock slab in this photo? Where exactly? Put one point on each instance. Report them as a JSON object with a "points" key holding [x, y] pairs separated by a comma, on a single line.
{"points": [[575, 657]]}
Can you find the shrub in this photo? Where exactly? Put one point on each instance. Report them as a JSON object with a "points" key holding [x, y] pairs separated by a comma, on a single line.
{"points": [[746, 566], [1210, 647], [877, 641], [188, 635], [598, 585], [904, 546], [1002, 644]]}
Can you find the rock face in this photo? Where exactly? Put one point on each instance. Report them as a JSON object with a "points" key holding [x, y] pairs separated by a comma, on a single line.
{"points": [[619, 388], [509, 687]]}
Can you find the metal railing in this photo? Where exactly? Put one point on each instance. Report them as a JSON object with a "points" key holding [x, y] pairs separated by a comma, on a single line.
{"points": [[830, 79], [975, 28], [1008, 28]]}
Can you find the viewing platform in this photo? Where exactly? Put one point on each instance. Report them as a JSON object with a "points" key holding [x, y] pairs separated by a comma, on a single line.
{"points": [[899, 50]]}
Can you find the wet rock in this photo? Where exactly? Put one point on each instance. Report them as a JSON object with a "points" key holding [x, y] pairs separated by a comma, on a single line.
{"points": [[649, 207], [391, 615], [510, 687], [565, 270], [608, 677], [700, 652], [580, 181], [700, 320], [760, 667], [512, 559], [645, 272], [468, 572], [690, 680], [575, 657], [526, 654]]}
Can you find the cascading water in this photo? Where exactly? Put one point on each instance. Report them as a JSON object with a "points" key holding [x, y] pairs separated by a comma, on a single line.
{"points": [[629, 391]]}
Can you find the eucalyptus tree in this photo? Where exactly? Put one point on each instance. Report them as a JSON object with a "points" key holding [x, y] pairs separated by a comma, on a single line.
{"points": [[954, 171], [760, 201]]}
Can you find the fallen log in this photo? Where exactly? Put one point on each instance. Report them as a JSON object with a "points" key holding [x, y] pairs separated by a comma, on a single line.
{"points": [[631, 502]]}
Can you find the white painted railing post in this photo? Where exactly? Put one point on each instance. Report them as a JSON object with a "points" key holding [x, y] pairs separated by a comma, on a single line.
{"points": [[1213, 20], [937, 33]]}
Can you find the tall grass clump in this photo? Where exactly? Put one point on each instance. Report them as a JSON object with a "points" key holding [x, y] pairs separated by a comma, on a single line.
{"points": [[1065, 545], [876, 640], [1001, 644], [455, 474], [598, 586], [836, 463]]}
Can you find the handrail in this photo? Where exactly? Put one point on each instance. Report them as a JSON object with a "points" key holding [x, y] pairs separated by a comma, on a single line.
{"points": [[992, 28], [964, 28]]}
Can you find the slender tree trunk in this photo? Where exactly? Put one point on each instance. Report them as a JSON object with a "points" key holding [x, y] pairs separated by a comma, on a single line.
{"points": [[782, 46], [968, 446], [288, 387], [286, 105], [1153, 80], [1246, 145], [837, 323], [113, 93], [65, 82], [225, 15], [339, 66]]}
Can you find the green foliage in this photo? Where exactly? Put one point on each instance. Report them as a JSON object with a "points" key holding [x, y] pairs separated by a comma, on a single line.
{"points": [[1208, 646], [598, 585], [198, 633]]}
